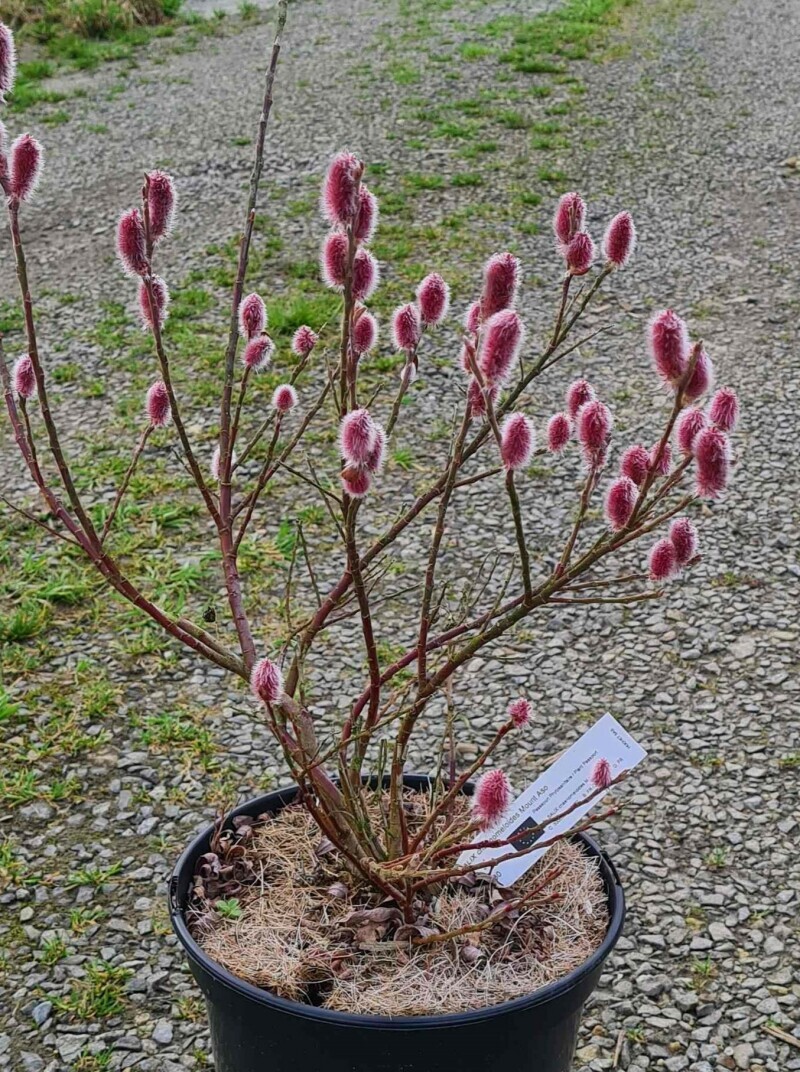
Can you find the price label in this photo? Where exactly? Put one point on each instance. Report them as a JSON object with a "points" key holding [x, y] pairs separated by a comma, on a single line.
{"points": [[567, 781]]}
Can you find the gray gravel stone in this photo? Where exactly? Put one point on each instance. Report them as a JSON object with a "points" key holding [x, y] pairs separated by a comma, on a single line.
{"points": [[742, 1054], [31, 1062], [163, 1032], [69, 1046], [41, 1011]]}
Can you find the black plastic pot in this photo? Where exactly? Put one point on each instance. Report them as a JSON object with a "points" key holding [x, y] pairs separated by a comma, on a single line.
{"points": [[254, 1031]]}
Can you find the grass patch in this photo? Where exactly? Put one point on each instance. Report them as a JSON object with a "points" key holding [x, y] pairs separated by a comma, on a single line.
{"points": [[92, 876], [7, 708], [78, 34], [571, 32], [513, 120], [424, 182], [472, 50], [93, 1062], [98, 995], [176, 733], [54, 119], [12, 867], [53, 950], [92, 19], [404, 74], [22, 786], [23, 622], [466, 178], [550, 175], [82, 918], [450, 129]]}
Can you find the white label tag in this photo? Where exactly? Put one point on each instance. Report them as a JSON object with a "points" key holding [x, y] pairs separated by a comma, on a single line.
{"points": [[565, 782]]}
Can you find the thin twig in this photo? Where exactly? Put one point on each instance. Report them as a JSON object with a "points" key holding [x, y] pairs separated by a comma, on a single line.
{"points": [[307, 558], [125, 481], [38, 521], [38, 371], [779, 1033]]}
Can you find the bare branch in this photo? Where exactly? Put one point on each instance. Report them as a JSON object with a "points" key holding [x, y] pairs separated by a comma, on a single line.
{"points": [[125, 482]]}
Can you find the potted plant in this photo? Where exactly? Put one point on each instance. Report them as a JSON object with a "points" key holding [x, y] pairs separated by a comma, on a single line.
{"points": [[337, 923]]}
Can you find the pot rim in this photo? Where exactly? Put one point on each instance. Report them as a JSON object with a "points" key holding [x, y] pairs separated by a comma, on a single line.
{"points": [[550, 992]]}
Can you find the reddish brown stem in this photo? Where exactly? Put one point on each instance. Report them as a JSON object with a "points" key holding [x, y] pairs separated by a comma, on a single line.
{"points": [[447, 874], [38, 371]]}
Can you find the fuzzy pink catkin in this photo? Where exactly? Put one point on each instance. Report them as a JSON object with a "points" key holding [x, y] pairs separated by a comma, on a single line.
{"points": [[519, 712], [472, 317], [216, 458], [284, 398], [252, 316], [702, 378], [160, 300], [594, 425], [662, 560], [357, 436], [340, 189], [333, 259], [409, 373], [366, 275], [266, 681], [500, 283], [635, 463], [620, 501], [466, 356], [664, 459], [668, 338], [516, 441], [688, 427], [303, 341], [367, 216], [559, 430], [684, 539], [492, 798], [578, 394], [258, 353], [131, 243], [157, 404], [724, 409], [377, 456], [594, 459], [579, 254], [569, 218], [406, 327], [619, 241], [8, 61], [502, 337], [602, 776], [712, 455], [433, 299], [26, 166], [161, 200], [356, 481], [476, 399], [24, 377], [365, 333]]}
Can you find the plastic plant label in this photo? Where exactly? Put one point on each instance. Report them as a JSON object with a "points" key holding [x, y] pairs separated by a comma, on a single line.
{"points": [[567, 781]]}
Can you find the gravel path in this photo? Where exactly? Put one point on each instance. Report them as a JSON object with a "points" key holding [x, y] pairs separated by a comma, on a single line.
{"points": [[698, 116]]}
